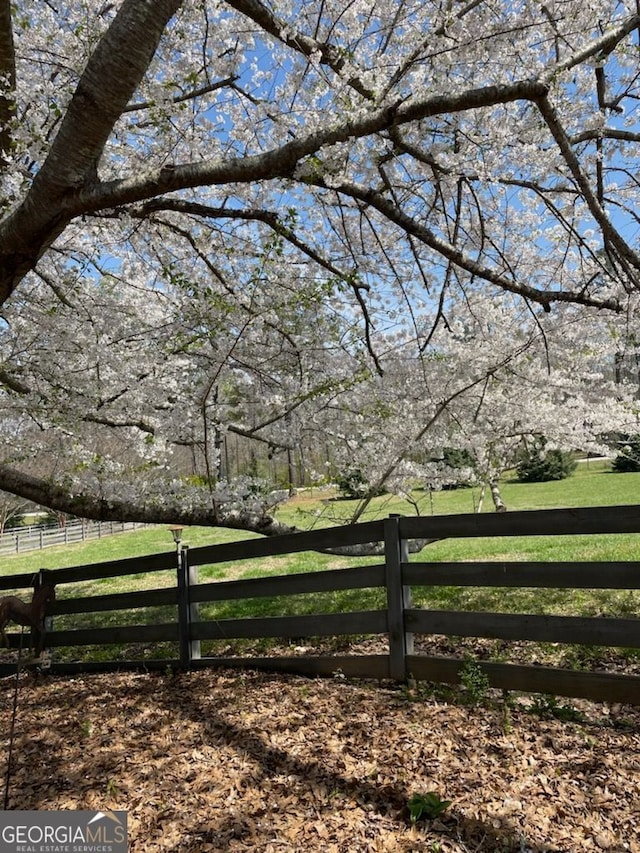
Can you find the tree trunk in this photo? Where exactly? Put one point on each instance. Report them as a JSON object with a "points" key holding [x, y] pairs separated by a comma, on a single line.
{"points": [[499, 504]]}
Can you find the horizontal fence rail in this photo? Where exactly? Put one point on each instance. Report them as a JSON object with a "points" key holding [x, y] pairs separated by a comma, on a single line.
{"points": [[181, 623], [542, 629], [37, 537]]}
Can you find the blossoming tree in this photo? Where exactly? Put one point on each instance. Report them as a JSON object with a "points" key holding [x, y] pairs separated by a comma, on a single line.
{"points": [[396, 223]]}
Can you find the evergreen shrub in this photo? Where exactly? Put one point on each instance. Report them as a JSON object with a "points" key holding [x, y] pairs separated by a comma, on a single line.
{"points": [[538, 465], [628, 458]]}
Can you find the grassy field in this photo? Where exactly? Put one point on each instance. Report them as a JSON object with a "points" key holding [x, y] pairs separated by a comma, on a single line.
{"points": [[592, 485]]}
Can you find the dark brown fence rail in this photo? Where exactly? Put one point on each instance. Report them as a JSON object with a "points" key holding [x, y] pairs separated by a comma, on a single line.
{"points": [[399, 621]]}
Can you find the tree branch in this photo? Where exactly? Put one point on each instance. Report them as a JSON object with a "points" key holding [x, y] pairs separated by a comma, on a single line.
{"points": [[611, 235], [111, 76], [186, 96], [7, 80], [440, 409], [597, 48], [248, 215], [57, 498], [283, 161], [328, 54], [396, 215]]}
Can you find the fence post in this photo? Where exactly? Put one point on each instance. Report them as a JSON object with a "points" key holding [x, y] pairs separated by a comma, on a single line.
{"points": [[194, 608], [39, 580], [398, 599], [187, 611]]}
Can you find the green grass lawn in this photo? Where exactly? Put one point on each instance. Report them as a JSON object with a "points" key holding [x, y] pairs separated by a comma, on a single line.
{"points": [[591, 485]]}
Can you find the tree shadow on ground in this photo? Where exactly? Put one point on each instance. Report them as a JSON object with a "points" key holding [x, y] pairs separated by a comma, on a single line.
{"points": [[304, 776], [60, 763], [42, 767]]}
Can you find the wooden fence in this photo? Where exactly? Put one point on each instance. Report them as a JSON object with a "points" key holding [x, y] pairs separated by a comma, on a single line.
{"points": [[399, 621], [36, 537]]}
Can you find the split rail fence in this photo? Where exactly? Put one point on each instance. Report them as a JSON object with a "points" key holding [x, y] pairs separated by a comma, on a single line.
{"points": [[398, 621]]}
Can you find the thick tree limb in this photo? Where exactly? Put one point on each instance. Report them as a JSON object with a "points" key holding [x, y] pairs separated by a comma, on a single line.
{"points": [[58, 498], [84, 505], [599, 47], [67, 186], [283, 161], [113, 73], [7, 80], [329, 54]]}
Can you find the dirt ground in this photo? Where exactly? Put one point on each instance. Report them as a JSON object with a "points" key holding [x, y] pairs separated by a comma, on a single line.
{"points": [[229, 761]]}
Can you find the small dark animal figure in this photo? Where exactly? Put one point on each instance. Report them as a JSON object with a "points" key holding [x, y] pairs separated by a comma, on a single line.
{"points": [[31, 614]]}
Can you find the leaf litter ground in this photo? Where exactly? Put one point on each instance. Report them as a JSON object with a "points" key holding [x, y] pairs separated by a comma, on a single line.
{"points": [[229, 761]]}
